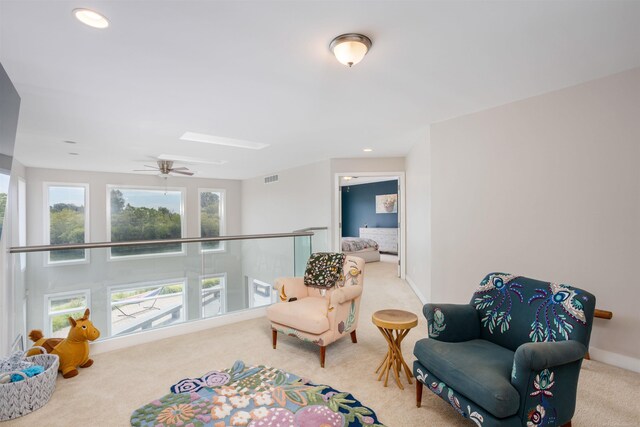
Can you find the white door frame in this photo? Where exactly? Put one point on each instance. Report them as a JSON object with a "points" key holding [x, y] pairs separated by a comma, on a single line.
{"points": [[337, 214]]}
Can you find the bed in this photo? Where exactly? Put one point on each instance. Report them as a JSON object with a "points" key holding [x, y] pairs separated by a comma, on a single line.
{"points": [[366, 249]]}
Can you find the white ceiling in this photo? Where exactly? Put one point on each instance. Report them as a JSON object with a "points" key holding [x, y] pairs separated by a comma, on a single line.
{"points": [[261, 71]]}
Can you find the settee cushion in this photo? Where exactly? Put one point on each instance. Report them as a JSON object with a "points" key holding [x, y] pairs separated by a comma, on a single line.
{"points": [[477, 369], [306, 314]]}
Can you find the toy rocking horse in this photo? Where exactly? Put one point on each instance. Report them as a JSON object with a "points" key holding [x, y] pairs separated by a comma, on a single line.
{"points": [[73, 350]]}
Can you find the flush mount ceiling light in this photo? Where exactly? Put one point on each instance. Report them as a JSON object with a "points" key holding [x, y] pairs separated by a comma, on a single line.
{"points": [[367, 150], [91, 18], [350, 48]]}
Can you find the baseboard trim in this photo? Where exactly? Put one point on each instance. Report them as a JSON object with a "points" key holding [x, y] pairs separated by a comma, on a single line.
{"points": [[615, 359], [415, 289], [118, 343]]}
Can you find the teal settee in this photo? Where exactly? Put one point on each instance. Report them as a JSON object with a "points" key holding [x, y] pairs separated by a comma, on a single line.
{"points": [[512, 356]]}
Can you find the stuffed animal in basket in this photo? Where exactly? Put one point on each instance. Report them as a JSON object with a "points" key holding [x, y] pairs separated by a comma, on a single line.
{"points": [[73, 351]]}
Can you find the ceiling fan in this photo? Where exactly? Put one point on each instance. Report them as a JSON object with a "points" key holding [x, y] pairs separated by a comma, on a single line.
{"points": [[165, 167]]}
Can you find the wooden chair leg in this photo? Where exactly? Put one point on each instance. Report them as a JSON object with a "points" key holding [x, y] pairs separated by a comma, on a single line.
{"points": [[568, 424], [274, 335], [418, 393], [354, 338], [323, 352]]}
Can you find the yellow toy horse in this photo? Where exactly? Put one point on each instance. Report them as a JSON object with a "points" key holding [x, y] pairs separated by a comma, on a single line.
{"points": [[73, 350]]}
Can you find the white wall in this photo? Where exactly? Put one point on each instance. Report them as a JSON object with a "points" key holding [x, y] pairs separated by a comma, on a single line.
{"points": [[547, 187], [418, 197], [298, 200]]}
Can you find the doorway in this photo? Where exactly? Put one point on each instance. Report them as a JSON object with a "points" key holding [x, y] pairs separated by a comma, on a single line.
{"points": [[370, 206]]}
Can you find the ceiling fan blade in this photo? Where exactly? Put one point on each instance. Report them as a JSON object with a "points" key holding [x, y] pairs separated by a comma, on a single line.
{"points": [[181, 173], [144, 170], [181, 168], [152, 167]]}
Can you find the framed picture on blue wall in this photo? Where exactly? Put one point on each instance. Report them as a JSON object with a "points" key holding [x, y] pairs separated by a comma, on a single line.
{"points": [[386, 203]]}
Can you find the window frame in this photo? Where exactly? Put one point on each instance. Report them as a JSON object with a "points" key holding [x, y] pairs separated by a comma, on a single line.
{"points": [[183, 220], [223, 294], [60, 295], [146, 284], [223, 217], [250, 285], [47, 222]]}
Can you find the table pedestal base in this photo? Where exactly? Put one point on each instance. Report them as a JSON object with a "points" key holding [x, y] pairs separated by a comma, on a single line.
{"points": [[394, 362]]}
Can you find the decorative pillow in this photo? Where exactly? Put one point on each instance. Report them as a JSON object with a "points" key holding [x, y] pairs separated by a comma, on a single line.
{"points": [[324, 270]]}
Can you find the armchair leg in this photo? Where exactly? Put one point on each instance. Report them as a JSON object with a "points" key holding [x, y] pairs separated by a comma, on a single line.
{"points": [[567, 424], [354, 339], [418, 393], [323, 352], [274, 336]]}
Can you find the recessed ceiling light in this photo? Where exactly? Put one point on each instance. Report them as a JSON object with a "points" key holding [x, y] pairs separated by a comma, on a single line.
{"points": [[367, 150], [220, 140], [91, 18], [347, 178], [186, 159]]}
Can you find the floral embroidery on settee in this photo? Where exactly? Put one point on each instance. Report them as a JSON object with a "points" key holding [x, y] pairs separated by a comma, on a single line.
{"points": [[512, 356]]}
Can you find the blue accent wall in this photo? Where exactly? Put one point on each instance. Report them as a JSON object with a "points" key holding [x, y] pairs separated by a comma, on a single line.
{"points": [[359, 207]]}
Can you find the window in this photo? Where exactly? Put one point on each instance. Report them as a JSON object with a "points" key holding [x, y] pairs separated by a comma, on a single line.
{"points": [[62, 306], [67, 221], [212, 218], [22, 220], [4, 191], [213, 295], [143, 306], [259, 293], [145, 214]]}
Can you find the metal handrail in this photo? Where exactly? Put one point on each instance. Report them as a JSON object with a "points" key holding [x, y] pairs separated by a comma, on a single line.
{"points": [[45, 248], [302, 230]]}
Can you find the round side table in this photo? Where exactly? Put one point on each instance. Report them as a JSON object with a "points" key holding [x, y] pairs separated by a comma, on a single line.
{"points": [[394, 326]]}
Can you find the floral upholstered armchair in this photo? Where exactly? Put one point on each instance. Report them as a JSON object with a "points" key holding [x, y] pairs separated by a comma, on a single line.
{"points": [[322, 306], [512, 356]]}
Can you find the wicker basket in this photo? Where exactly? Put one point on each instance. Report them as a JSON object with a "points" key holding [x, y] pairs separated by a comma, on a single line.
{"points": [[20, 398]]}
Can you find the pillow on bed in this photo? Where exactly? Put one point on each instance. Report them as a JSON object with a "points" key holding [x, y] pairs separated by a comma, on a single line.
{"points": [[324, 270]]}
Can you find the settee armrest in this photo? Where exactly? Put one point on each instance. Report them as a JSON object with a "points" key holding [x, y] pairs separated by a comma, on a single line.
{"points": [[344, 294], [536, 356], [452, 322], [290, 287], [545, 374]]}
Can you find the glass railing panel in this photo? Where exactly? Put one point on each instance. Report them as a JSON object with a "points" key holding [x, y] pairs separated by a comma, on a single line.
{"points": [[148, 290], [302, 252]]}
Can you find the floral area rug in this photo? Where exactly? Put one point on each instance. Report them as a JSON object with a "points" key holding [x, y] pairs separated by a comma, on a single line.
{"points": [[253, 396]]}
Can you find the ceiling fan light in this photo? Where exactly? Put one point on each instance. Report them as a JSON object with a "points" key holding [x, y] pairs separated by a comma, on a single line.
{"points": [[349, 49]]}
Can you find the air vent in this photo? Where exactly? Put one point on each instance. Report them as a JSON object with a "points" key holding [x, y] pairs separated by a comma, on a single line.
{"points": [[270, 179]]}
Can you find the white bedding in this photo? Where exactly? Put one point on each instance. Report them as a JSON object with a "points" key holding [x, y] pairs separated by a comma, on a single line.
{"points": [[368, 254]]}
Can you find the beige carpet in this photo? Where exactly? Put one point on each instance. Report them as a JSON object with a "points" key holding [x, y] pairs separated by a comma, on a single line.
{"points": [[121, 381]]}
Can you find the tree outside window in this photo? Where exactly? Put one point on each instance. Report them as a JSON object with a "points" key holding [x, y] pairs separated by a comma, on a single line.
{"points": [[211, 218], [145, 214], [67, 219]]}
